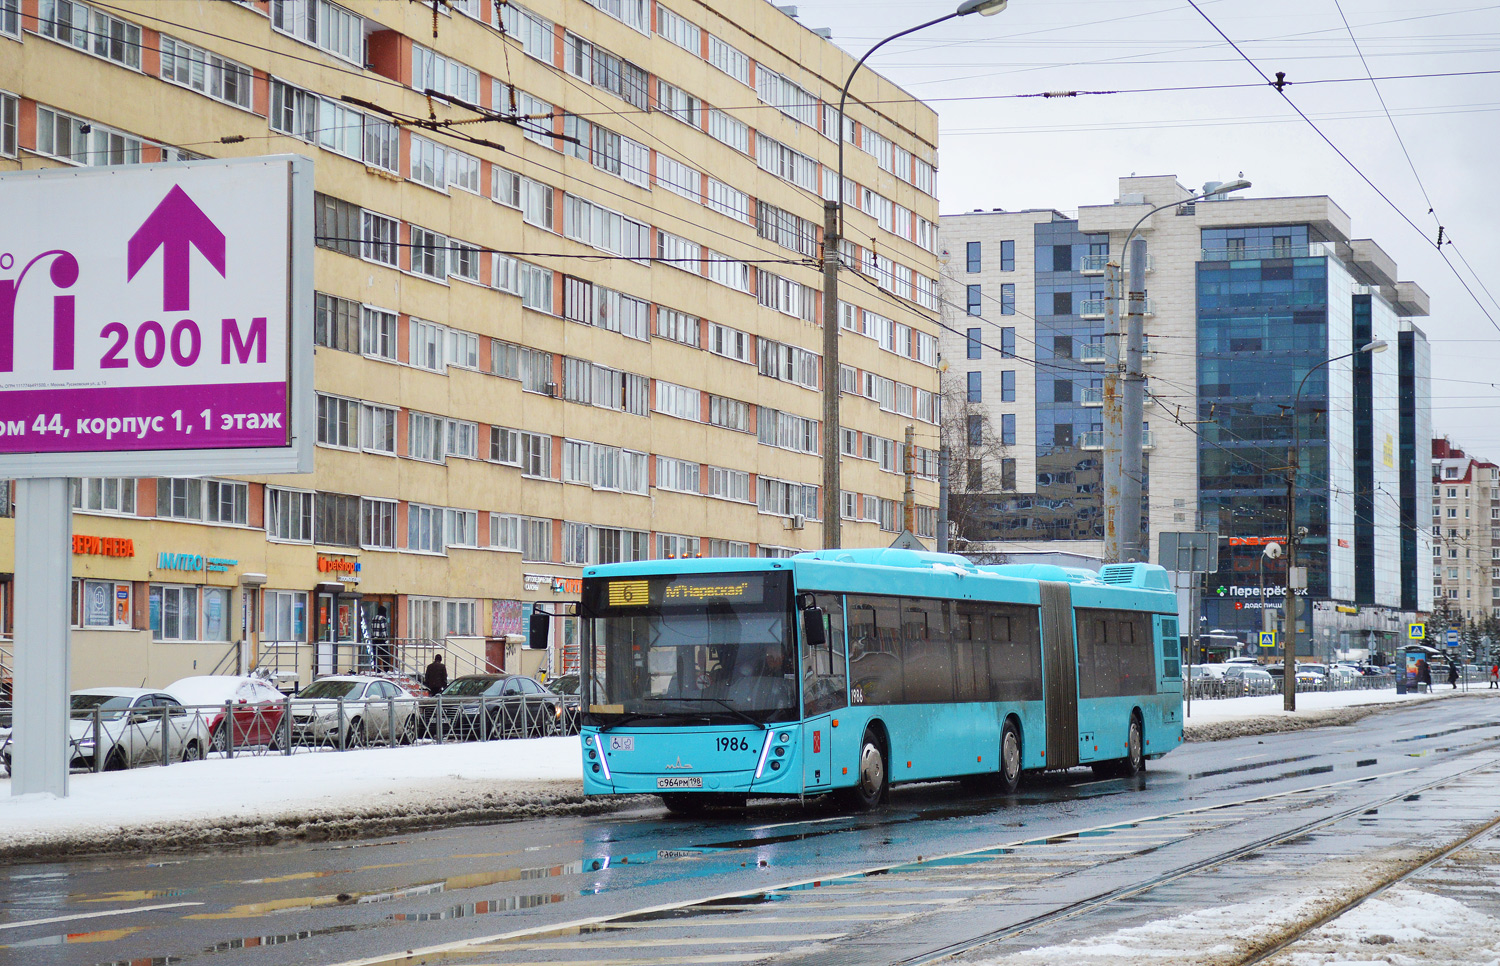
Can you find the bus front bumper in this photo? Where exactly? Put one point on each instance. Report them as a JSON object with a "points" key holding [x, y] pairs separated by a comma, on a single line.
{"points": [[729, 760]]}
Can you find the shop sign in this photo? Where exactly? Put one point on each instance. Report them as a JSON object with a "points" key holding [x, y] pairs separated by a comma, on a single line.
{"points": [[83, 544], [194, 562], [557, 584], [1254, 541], [345, 569], [1225, 590]]}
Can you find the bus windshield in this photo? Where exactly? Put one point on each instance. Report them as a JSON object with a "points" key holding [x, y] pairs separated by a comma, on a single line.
{"points": [[688, 649]]}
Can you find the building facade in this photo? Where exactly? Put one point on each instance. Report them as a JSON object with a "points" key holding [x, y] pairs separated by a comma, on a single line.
{"points": [[1245, 297], [1465, 535], [567, 311]]}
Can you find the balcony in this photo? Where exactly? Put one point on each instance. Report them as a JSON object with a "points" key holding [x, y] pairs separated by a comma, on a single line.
{"points": [[1092, 308], [1091, 353], [1094, 440], [1093, 396], [1314, 250], [1093, 264]]}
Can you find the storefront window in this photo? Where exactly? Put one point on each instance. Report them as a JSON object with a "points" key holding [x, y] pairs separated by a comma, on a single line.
{"points": [[174, 613], [216, 613], [285, 616], [101, 603]]}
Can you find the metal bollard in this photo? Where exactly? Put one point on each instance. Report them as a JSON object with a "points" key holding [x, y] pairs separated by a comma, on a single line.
{"points": [[484, 719], [339, 729], [390, 734], [438, 717], [228, 729], [166, 739], [98, 741], [285, 726]]}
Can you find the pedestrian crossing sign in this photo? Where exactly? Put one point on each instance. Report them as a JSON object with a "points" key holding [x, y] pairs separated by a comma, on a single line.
{"points": [[1416, 632], [1267, 638]]}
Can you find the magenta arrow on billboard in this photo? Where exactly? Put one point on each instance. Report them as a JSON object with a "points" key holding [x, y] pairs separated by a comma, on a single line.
{"points": [[176, 227]]}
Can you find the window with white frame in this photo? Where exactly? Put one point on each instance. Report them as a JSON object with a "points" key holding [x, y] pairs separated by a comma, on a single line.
{"points": [[673, 546], [594, 65], [679, 401], [729, 130], [104, 494], [443, 75], [786, 229], [788, 363], [728, 201], [678, 103], [289, 514], [726, 271], [677, 326], [609, 152], [207, 73], [324, 25], [82, 141], [679, 30], [429, 254], [536, 287], [424, 528], [610, 231], [426, 348], [226, 501], [536, 370], [577, 461], [378, 235], [634, 472], [536, 539], [461, 438], [377, 333], [728, 548], [786, 296], [575, 543], [335, 322], [377, 524], [341, 129], [783, 162], [678, 475], [724, 340], [10, 110], [10, 18], [284, 616], [786, 430], [93, 31], [536, 455], [635, 14], [174, 612], [460, 527], [338, 421], [507, 274], [505, 445], [606, 467], [463, 349], [729, 59], [791, 99], [678, 252], [535, 200], [505, 531], [533, 113], [534, 32], [729, 413], [785, 498], [679, 178], [424, 437], [727, 484]]}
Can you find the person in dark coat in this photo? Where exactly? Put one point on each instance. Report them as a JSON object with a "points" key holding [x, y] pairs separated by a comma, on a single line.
{"points": [[380, 636], [436, 677], [1495, 676], [1424, 674], [1453, 675]]}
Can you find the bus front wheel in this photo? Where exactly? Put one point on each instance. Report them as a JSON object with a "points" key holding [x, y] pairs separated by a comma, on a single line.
{"points": [[871, 784]]}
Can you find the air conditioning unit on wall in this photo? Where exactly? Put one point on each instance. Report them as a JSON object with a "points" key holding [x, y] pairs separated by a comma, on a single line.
{"points": [[798, 521]]}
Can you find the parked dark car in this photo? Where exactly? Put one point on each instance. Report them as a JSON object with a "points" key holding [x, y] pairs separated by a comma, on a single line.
{"points": [[483, 706], [567, 686]]}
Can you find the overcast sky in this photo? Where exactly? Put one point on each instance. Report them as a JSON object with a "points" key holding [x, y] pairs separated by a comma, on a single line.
{"points": [[998, 151]]}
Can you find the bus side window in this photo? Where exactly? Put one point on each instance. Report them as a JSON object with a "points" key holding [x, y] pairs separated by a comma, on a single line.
{"points": [[969, 675], [874, 651], [926, 652], [825, 687]]}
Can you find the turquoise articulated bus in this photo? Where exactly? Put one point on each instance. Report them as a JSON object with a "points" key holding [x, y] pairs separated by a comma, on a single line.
{"points": [[847, 671]]}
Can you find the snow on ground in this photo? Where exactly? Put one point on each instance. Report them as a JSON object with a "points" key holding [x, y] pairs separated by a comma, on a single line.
{"points": [[264, 797], [1215, 720], [1401, 926]]}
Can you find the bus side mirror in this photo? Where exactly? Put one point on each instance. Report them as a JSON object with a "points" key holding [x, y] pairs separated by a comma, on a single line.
{"points": [[812, 627], [539, 628]]}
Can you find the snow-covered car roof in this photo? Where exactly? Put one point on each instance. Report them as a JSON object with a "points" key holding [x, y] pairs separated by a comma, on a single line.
{"points": [[118, 692], [217, 688]]}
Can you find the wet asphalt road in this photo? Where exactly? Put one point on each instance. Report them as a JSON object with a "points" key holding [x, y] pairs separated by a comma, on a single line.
{"points": [[330, 903]]}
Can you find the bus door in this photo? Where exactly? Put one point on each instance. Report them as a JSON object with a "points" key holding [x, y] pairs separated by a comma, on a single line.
{"points": [[1060, 674], [824, 691]]}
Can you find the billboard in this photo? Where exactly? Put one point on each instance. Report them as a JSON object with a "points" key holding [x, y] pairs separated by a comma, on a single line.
{"points": [[156, 319]]}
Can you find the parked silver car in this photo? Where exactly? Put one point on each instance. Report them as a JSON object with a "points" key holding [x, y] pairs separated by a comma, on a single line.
{"points": [[349, 710], [1243, 679], [131, 722]]}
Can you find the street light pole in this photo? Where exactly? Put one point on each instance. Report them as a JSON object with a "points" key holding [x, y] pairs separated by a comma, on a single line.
{"points": [[1124, 405], [833, 233], [1289, 601]]}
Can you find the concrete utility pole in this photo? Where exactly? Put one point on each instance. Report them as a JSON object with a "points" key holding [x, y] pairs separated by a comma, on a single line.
{"points": [[1113, 417], [909, 468], [1132, 406], [942, 538]]}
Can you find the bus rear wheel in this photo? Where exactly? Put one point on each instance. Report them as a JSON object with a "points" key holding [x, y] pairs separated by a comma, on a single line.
{"points": [[871, 785], [1010, 758]]}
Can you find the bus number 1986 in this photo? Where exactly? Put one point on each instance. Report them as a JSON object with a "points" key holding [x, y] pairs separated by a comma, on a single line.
{"points": [[733, 744]]}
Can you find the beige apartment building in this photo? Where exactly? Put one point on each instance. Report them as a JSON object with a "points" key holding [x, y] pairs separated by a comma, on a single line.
{"points": [[568, 310], [1465, 534]]}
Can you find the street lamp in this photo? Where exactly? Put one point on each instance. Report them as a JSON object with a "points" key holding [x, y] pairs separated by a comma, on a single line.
{"points": [[1293, 455], [833, 227], [1124, 410]]}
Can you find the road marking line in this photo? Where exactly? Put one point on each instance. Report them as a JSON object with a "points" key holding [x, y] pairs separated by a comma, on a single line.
{"points": [[96, 915], [810, 821], [623, 943]]}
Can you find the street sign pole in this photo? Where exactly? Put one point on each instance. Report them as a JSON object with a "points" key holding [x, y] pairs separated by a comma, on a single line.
{"points": [[44, 538]]}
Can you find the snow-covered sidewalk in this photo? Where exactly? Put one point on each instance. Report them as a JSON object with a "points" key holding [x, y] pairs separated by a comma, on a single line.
{"points": [[374, 791]]}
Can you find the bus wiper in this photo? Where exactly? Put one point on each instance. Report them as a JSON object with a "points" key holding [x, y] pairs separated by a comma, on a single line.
{"points": [[721, 702], [636, 716]]}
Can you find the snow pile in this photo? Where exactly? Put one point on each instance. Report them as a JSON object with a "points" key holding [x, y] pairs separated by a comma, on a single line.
{"points": [[255, 799], [1220, 718], [1402, 925]]}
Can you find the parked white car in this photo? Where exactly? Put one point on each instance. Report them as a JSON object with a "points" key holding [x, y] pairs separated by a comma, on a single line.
{"points": [[367, 705], [130, 729]]}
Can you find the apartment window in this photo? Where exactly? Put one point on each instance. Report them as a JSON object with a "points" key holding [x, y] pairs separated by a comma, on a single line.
{"points": [[536, 371], [672, 546], [377, 333], [973, 256], [599, 67], [786, 430], [786, 229], [729, 413], [432, 71], [975, 481], [505, 445], [536, 455], [336, 520], [289, 514], [778, 159], [678, 103], [678, 475], [785, 499], [577, 461], [107, 494], [382, 145], [677, 326], [536, 287], [534, 32], [180, 499], [1007, 256], [729, 130], [679, 401], [976, 387], [9, 120], [729, 342], [338, 421], [83, 142], [424, 437], [324, 25], [1007, 474], [1008, 298], [791, 99], [975, 344], [728, 59], [460, 528], [1008, 385], [207, 73], [378, 235], [974, 297], [377, 524], [377, 426], [1008, 429], [108, 37], [975, 429], [536, 539], [426, 348], [728, 484], [335, 322], [424, 528], [10, 18], [634, 472], [505, 359], [429, 254], [1007, 342], [505, 531]]}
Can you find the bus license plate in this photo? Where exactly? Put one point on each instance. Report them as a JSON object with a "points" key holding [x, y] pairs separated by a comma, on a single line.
{"points": [[675, 782]]}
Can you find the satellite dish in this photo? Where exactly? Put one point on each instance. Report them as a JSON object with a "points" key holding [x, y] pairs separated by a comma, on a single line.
{"points": [[1273, 550]]}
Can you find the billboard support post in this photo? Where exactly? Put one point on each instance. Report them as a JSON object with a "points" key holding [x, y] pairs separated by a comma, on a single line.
{"points": [[44, 536]]}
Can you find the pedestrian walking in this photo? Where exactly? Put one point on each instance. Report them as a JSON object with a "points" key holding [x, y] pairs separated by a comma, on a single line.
{"points": [[1424, 674], [1495, 676], [436, 677], [1453, 675], [380, 636]]}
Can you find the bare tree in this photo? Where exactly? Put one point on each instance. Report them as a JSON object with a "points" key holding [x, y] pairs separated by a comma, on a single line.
{"points": [[975, 461]]}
